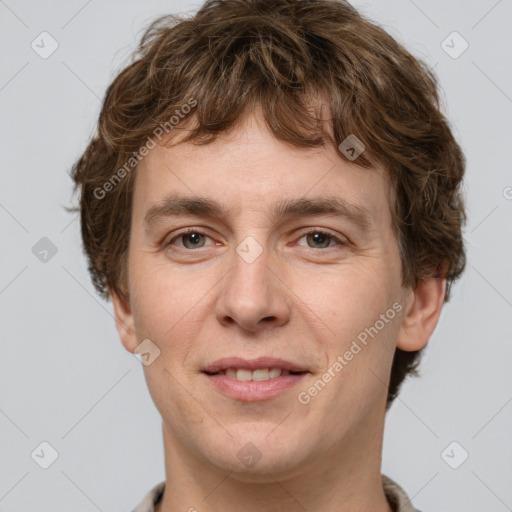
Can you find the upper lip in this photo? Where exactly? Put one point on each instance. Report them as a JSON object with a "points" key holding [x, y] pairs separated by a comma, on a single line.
{"points": [[253, 364]]}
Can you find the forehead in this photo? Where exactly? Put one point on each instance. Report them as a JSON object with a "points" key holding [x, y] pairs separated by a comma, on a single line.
{"points": [[249, 169]]}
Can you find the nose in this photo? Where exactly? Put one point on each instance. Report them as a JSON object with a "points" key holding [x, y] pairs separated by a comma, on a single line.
{"points": [[254, 296]]}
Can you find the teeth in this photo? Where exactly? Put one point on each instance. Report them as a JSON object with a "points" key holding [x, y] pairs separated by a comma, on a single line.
{"points": [[231, 373], [260, 374], [243, 374], [275, 372]]}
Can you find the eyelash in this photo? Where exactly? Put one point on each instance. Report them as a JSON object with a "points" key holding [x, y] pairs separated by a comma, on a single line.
{"points": [[312, 231]]}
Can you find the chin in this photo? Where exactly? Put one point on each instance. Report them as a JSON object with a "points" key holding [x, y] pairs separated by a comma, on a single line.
{"points": [[266, 470], [259, 455]]}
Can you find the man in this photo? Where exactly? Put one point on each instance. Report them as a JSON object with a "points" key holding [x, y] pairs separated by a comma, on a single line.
{"points": [[272, 201]]}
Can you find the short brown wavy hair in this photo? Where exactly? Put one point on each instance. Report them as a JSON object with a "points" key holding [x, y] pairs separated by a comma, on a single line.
{"points": [[282, 54]]}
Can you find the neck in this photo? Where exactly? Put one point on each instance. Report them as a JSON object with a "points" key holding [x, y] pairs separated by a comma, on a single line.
{"points": [[342, 479]]}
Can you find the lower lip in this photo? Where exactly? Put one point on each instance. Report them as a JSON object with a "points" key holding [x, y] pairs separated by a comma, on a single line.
{"points": [[252, 390]]}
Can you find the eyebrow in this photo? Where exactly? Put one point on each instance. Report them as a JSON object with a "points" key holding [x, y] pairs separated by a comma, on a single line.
{"points": [[176, 205]]}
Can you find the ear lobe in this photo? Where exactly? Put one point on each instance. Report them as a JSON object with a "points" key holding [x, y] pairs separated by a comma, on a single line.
{"points": [[124, 322], [422, 314]]}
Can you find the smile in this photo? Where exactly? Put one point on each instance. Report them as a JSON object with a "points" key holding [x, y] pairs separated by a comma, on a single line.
{"points": [[261, 374], [253, 380]]}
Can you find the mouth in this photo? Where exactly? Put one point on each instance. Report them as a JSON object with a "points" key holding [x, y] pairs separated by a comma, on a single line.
{"points": [[253, 380], [259, 375]]}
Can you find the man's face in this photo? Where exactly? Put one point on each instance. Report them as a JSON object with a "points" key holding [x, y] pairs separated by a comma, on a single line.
{"points": [[251, 284]]}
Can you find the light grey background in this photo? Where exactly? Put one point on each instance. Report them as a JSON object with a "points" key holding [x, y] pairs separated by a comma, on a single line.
{"points": [[64, 375]]}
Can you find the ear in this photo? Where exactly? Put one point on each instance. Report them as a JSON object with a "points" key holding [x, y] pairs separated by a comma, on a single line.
{"points": [[124, 321], [422, 313]]}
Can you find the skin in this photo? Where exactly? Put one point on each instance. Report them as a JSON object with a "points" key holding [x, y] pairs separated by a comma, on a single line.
{"points": [[300, 300]]}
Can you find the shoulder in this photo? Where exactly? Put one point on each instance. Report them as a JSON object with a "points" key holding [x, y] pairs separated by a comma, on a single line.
{"points": [[150, 499], [396, 496]]}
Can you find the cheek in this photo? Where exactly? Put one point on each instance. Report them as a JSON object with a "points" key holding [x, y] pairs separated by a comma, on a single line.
{"points": [[345, 300], [172, 400], [350, 303], [163, 302]]}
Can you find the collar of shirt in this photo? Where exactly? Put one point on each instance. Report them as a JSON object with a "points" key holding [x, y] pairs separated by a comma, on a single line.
{"points": [[396, 496]]}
